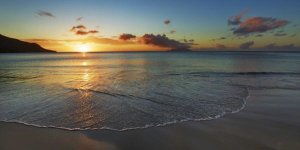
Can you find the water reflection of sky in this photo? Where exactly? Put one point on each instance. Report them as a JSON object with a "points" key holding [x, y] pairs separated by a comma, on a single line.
{"points": [[133, 89]]}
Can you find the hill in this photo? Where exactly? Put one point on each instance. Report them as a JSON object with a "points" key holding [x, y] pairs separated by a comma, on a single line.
{"points": [[11, 45]]}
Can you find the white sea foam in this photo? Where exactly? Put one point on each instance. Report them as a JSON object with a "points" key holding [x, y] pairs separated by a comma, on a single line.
{"points": [[133, 128]]}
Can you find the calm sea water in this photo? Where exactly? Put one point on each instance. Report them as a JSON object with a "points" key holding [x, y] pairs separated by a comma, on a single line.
{"points": [[134, 90]]}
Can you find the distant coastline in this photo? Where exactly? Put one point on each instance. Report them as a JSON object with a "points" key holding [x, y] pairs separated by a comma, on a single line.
{"points": [[11, 45], [193, 51]]}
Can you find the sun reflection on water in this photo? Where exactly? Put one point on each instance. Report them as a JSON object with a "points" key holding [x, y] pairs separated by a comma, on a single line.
{"points": [[85, 110], [86, 75], [84, 63]]}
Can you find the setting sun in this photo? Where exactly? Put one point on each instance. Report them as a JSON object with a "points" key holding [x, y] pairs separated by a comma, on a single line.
{"points": [[83, 48]]}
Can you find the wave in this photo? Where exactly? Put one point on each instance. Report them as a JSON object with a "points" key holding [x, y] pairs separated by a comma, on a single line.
{"points": [[21, 77], [233, 73], [119, 95], [139, 127]]}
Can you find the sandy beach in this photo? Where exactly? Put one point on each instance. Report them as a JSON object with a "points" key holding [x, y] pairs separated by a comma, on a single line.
{"points": [[269, 121]]}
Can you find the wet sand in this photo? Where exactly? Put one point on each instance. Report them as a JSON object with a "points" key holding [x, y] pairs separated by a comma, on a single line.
{"points": [[269, 121]]}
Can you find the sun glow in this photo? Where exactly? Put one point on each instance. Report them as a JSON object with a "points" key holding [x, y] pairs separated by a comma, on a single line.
{"points": [[84, 48]]}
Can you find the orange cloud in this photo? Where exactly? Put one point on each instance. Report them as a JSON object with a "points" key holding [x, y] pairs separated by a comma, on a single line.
{"points": [[126, 36], [254, 24], [258, 25], [145, 42], [109, 41], [82, 30]]}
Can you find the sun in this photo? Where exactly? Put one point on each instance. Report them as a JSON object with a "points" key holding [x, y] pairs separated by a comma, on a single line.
{"points": [[84, 48]]}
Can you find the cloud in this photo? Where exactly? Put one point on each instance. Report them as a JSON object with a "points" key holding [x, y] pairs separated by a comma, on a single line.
{"points": [[109, 41], [79, 27], [246, 45], [220, 46], [79, 18], [45, 14], [164, 41], [275, 46], [89, 39], [82, 30], [93, 31], [167, 21], [258, 25], [220, 38], [172, 31], [146, 41], [236, 20], [126, 36]]}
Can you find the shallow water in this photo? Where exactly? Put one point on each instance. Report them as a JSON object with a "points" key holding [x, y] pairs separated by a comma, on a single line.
{"points": [[133, 90]]}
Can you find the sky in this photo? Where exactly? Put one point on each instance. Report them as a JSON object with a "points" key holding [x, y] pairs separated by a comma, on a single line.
{"points": [[143, 25]]}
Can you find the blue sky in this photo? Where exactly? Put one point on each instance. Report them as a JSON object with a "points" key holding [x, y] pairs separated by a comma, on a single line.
{"points": [[199, 20]]}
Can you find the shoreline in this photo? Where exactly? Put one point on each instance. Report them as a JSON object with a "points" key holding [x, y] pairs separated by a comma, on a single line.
{"points": [[269, 121], [136, 128]]}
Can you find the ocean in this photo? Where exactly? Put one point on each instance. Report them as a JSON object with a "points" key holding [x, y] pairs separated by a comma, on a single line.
{"points": [[120, 91]]}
